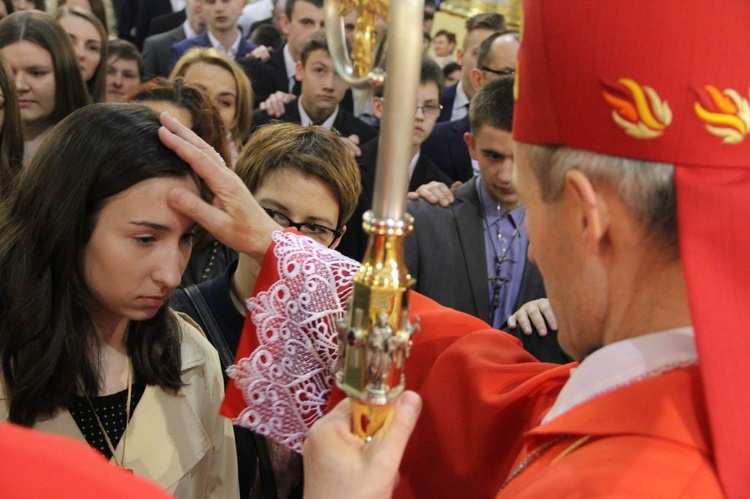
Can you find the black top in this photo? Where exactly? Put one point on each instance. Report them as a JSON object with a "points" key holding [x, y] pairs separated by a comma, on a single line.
{"points": [[111, 410]]}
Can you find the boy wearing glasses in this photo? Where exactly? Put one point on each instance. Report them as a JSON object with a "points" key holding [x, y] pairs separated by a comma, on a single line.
{"points": [[320, 97], [421, 170], [306, 178]]}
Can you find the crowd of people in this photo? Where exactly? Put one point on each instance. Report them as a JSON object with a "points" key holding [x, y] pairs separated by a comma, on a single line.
{"points": [[182, 185]]}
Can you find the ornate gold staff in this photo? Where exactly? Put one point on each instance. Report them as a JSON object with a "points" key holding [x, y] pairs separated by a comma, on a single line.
{"points": [[375, 337]]}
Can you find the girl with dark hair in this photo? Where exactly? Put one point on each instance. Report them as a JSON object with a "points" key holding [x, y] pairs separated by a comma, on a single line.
{"points": [[48, 80], [195, 110], [90, 250], [89, 39], [11, 140]]}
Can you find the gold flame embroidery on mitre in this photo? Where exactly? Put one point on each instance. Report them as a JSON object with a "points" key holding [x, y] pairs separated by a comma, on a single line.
{"points": [[637, 109], [726, 114]]}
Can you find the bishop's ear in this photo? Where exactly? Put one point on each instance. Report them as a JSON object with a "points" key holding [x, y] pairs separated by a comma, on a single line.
{"points": [[588, 209]]}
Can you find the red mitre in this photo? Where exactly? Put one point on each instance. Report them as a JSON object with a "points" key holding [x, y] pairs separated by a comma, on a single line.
{"points": [[664, 80]]}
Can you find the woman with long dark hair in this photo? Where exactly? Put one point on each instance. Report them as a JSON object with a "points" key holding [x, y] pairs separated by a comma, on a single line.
{"points": [[89, 39], [89, 253], [48, 81]]}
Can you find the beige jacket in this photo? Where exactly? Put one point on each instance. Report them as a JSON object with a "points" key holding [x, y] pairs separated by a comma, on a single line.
{"points": [[178, 441]]}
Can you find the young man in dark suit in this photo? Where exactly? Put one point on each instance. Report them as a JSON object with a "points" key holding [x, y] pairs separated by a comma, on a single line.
{"points": [[157, 49], [299, 21], [455, 98], [223, 33], [471, 256], [446, 147], [321, 93]]}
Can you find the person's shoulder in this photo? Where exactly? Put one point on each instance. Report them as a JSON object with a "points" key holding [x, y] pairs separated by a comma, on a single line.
{"points": [[423, 209], [260, 118], [196, 41], [439, 133], [195, 347], [174, 35], [449, 92], [370, 146], [357, 126]]}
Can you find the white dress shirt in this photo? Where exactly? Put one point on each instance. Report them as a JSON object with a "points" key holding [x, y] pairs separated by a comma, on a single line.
{"points": [[305, 119], [230, 52], [291, 66], [460, 103]]}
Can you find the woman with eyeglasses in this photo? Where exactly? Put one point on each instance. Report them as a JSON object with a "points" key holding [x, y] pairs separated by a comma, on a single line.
{"points": [[304, 178]]}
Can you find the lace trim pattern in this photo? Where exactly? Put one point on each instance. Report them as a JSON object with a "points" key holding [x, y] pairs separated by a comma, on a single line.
{"points": [[287, 380]]}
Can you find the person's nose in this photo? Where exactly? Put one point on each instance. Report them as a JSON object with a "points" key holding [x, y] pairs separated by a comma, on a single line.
{"points": [[168, 273], [21, 82]]}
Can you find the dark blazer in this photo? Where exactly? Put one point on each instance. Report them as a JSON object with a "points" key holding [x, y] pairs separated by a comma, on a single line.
{"points": [[345, 123], [354, 241], [447, 149], [264, 76], [157, 52], [166, 22], [446, 100], [270, 76], [179, 48], [445, 254], [136, 15]]}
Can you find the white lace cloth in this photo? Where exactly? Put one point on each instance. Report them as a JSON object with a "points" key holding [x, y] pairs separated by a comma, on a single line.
{"points": [[287, 380]]}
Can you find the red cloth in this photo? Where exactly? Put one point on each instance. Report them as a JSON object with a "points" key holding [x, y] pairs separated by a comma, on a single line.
{"points": [[36, 464], [485, 397], [440, 327], [647, 439], [481, 395], [484, 400], [715, 246]]}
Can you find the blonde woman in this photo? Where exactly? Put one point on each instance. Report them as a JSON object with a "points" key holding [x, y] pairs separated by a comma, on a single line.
{"points": [[228, 87]]}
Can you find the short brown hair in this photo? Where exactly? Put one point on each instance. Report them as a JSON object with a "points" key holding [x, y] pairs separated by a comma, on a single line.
{"points": [[488, 20], [290, 6], [449, 35], [313, 151]]}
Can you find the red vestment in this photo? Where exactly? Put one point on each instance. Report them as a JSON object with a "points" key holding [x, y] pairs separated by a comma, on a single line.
{"points": [[481, 419], [484, 399], [36, 464]]}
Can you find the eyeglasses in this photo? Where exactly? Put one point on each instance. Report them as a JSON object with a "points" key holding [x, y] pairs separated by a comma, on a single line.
{"points": [[430, 110], [322, 234], [499, 72]]}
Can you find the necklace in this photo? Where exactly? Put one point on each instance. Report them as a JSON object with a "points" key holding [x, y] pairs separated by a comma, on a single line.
{"points": [[121, 462], [499, 256]]}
